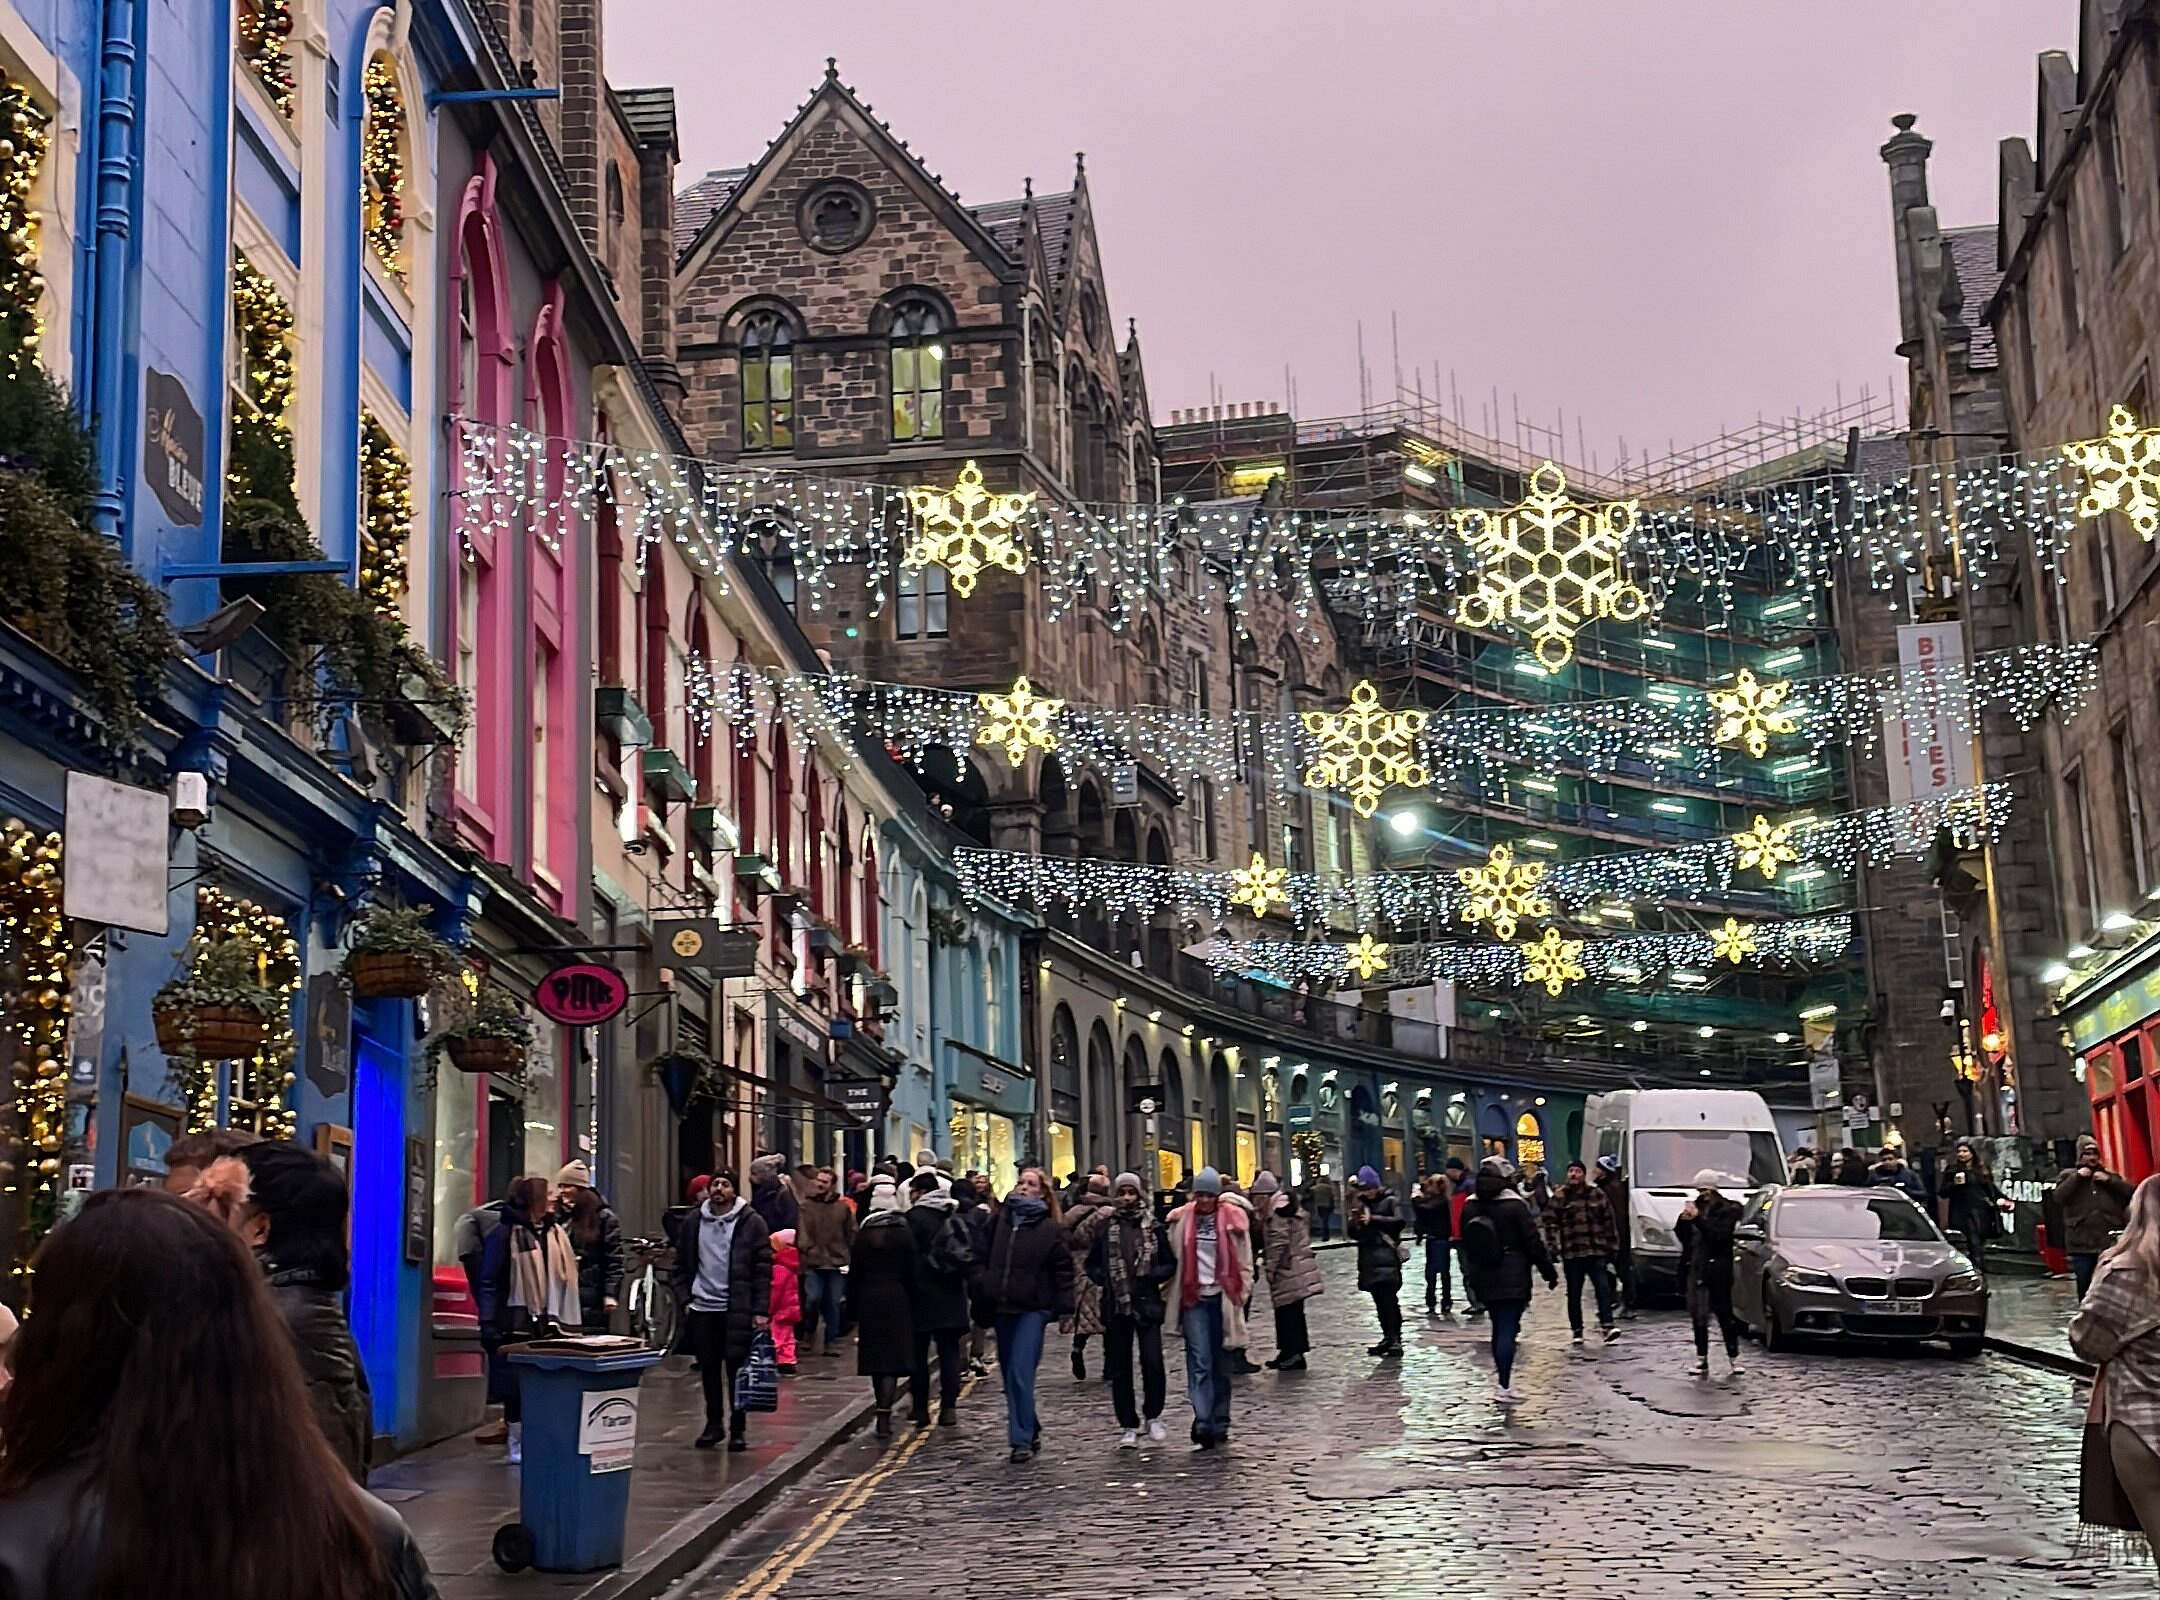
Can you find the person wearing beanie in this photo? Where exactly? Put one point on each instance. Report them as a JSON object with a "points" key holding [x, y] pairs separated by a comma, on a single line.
{"points": [[1582, 1234], [786, 1297], [1023, 1279], [1293, 1275], [882, 1268], [1705, 1230], [771, 1196], [1500, 1247], [1611, 1180], [596, 1234], [1432, 1219], [1376, 1225], [825, 1233], [1083, 1218], [724, 1281], [1211, 1242], [944, 1256], [1129, 1262]]}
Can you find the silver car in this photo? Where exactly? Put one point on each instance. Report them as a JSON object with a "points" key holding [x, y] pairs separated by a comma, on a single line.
{"points": [[1822, 1260]]}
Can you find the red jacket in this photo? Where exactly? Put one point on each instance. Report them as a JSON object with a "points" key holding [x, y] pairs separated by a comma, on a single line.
{"points": [[786, 1288]]}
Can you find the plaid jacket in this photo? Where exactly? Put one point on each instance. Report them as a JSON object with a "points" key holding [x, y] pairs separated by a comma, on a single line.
{"points": [[1579, 1224]]}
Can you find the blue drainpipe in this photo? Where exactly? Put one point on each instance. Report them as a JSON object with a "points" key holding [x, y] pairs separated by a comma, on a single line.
{"points": [[115, 185]]}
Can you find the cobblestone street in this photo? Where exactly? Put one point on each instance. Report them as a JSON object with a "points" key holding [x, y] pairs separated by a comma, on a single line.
{"points": [[1823, 1471]]}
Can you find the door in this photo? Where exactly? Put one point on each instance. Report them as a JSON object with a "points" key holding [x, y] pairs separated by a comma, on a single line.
{"points": [[375, 1175], [1751, 1259]]}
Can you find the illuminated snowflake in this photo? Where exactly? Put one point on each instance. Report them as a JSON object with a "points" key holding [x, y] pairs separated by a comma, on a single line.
{"points": [[1552, 961], [967, 530], [1501, 892], [1020, 721], [1365, 748], [1749, 712], [1734, 942], [1367, 956], [1259, 885], [1550, 565], [2122, 472], [1766, 847]]}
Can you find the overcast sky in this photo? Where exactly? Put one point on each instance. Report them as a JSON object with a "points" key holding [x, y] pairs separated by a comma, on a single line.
{"points": [[1658, 217]]}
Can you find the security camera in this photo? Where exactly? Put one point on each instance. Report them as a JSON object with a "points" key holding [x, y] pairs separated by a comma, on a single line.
{"points": [[190, 799], [1949, 1011]]}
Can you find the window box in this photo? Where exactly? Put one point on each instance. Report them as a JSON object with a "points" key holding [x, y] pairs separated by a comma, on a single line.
{"points": [[882, 992], [666, 778], [619, 716], [756, 874], [421, 713], [824, 942], [854, 961]]}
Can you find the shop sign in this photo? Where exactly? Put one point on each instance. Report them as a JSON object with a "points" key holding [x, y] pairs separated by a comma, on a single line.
{"points": [[861, 1098], [1145, 1098], [1928, 755], [419, 1201], [582, 994], [173, 448], [607, 1429], [2117, 1010], [119, 855], [700, 944], [1301, 1116]]}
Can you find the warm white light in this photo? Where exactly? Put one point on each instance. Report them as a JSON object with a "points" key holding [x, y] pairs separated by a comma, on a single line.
{"points": [[2116, 921], [1404, 823], [1781, 1038], [2056, 973], [1418, 474], [1640, 1026], [2080, 952], [1706, 1031]]}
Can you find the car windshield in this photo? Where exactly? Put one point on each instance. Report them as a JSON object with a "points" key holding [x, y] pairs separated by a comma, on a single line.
{"points": [[1879, 1216], [1669, 1158]]}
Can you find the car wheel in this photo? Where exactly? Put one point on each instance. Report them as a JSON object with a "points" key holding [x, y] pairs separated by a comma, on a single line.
{"points": [[1965, 1349], [1774, 1336]]}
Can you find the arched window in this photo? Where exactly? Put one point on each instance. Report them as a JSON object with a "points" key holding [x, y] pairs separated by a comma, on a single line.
{"points": [[783, 808], [746, 788], [653, 682], [617, 206], [814, 838], [383, 160], [1529, 1141], [703, 735], [918, 373], [768, 383]]}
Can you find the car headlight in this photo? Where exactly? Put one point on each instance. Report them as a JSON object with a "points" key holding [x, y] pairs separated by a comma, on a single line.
{"points": [[1960, 1282], [1651, 1235], [1808, 1278]]}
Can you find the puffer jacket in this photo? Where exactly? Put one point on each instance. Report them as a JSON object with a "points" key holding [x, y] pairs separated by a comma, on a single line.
{"points": [[337, 1383], [1086, 1219], [1504, 1278], [1025, 1267], [1379, 1262], [1293, 1270], [941, 1302], [1706, 1242], [599, 1270]]}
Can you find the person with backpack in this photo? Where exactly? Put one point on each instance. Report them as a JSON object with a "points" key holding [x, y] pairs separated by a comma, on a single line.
{"points": [[1129, 1261], [1501, 1245], [1376, 1225], [945, 1257]]}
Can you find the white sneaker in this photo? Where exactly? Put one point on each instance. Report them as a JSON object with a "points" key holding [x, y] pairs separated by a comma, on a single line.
{"points": [[1505, 1395], [1701, 1369], [1129, 1439], [1156, 1432], [514, 1438], [1733, 1369]]}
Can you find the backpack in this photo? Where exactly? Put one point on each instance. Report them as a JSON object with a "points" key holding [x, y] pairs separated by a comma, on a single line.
{"points": [[1481, 1244], [951, 1255]]}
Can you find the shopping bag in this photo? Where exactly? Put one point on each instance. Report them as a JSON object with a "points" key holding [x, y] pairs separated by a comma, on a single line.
{"points": [[757, 1381]]}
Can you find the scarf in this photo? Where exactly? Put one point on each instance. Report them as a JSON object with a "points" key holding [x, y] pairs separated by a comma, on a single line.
{"points": [[1230, 1226], [1026, 1208], [1131, 1246], [544, 1274]]}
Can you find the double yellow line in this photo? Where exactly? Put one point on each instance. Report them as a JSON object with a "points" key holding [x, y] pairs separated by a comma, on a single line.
{"points": [[777, 1570]]}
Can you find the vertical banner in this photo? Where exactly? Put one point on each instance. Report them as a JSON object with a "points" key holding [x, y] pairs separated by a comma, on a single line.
{"points": [[1929, 750]]}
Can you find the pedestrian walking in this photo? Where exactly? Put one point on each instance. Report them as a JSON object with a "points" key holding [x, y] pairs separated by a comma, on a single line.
{"points": [[1612, 1182], [1211, 1241], [882, 1269], [1973, 1202], [825, 1234], [1581, 1234], [973, 1204], [1024, 1280], [1432, 1219], [1130, 1263], [1849, 1168], [1891, 1172], [1461, 1185], [1237, 1319], [155, 1333], [1293, 1277], [2095, 1204], [786, 1302], [944, 1255], [1323, 1204], [723, 1279], [2117, 1327], [523, 1275], [596, 1236], [1501, 1247], [1800, 1166], [1705, 1229], [772, 1197], [1376, 1225], [1085, 1215]]}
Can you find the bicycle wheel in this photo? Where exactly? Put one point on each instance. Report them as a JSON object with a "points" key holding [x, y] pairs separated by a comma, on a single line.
{"points": [[660, 1316]]}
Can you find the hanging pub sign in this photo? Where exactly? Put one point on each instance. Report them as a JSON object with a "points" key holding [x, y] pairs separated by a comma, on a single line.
{"points": [[173, 448], [582, 994], [700, 944]]}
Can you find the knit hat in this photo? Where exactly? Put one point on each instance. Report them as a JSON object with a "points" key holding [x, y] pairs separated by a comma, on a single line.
{"points": [[1455, 1164], [1207, 1181], [784, 1239], [1709, 1178], [1127, 1180], [698, 1186], [1264, 1183], [1367, 1178], [1499, 1164], [884, 1195], [765, 1166], [576, 1174], [1608, 1163]]}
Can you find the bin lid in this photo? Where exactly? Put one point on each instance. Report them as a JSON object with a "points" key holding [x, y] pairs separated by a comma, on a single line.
{"points": [[593, 1352]]}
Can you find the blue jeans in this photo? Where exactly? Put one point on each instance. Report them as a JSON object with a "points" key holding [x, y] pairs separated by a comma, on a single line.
{"points": [[1439, 1255], [821, 1287], [1207, 1369], [1019, 1351], [1506, 1328]]}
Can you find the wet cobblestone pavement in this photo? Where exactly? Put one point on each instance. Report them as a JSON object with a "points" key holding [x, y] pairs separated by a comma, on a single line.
{"points": [[1819, 1472]]}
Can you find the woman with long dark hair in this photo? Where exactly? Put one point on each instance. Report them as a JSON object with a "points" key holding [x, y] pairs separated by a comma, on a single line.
{"points": [[596, 1235], [154, 1346]]}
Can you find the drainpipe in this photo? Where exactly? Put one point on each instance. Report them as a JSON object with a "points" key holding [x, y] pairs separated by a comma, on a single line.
{"points": [[115, 186]]}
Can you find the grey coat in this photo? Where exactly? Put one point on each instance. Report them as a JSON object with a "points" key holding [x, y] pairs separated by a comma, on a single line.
{"points": [[1293, 1271]]}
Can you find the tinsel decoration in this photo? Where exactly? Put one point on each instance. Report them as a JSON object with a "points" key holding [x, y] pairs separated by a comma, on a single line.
{"points": [[265, 325], [28, 134], [382, 166], [260, 1091], [386, 515], [265, 25], [37, 998]]}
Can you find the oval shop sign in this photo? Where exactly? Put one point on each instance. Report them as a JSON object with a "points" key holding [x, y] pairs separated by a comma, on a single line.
{"points": [[582, 994]]}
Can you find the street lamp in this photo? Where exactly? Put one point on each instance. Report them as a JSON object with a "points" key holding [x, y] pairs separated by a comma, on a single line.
{"points": [[1963, 1062]]}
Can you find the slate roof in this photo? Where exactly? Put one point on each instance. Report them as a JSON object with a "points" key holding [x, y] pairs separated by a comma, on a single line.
{"points": [[695, 205], [1054, 214], [1883, 456], [1972, 256], [650, 113]]}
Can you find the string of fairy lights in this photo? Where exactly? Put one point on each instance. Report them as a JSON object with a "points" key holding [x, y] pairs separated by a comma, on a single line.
{"points": [[38, 1008]]}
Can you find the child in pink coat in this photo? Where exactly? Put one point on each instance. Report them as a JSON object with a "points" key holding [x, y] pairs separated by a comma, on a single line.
{"points": [[786, 1296]]}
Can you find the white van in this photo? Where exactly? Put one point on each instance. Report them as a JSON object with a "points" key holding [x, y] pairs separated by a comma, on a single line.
{"points": [[1663, 1137]]}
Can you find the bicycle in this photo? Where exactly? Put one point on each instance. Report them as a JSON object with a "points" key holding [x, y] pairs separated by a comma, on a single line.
{"points": [[651, 1298]]}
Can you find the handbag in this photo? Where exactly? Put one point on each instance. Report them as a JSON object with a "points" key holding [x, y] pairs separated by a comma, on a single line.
{"points": [[757, 1380]]}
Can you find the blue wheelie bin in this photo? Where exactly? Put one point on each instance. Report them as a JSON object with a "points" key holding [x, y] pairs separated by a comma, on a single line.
{"points": [[581, 1412]]}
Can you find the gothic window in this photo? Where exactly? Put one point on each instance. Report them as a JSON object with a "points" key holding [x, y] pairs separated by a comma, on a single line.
{"points": [[920, 608], [617, 204], [918, 373], [835, 217], [768, 384], [1091, 316]]}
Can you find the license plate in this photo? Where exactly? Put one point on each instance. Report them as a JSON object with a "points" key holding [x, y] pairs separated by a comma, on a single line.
{"points": [[1906, 1308]]}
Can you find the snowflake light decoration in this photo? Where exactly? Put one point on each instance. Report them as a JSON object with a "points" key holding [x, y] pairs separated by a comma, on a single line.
{"points": [[1020, 721], [1259, 885], [1734, 942], [1365, 749], [1750, 712], [1367, 957], [1503, 892], [1552, 962], [2122, 473], [966, 530], [1766, 846], [1552, 565]]}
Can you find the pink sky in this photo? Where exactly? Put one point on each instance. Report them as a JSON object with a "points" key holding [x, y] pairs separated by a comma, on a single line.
{"points": [[1662, 219]]}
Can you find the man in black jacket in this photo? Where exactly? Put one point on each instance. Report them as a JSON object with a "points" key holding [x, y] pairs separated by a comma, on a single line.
{"points": [[1706, 1266], [939, 1293], [1432, 1215], [1500, 1245], [723, 1279]]}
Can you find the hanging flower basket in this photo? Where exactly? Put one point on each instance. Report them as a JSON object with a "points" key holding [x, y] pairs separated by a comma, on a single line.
{"points": [[395, 955], [221, 1010], [211, 1032], [493, 1036], [477, 1053], [388, 975]]}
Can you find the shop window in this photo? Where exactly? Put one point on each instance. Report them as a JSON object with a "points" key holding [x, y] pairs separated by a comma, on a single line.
{"points": [[2133, 1059], [1529, 1141]]}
